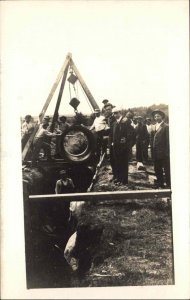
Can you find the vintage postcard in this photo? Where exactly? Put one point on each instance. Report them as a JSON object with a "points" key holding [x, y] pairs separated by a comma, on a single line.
{"points": [[94, 149]]}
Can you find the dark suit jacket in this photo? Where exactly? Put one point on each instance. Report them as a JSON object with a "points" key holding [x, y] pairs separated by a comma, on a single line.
{"points": [[122, 136], [161, 142]]}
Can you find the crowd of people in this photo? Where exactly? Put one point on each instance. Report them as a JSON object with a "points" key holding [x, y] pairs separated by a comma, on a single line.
{"points": [[119, 135]]}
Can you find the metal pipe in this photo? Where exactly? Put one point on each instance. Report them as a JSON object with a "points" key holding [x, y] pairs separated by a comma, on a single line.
{"points": [[104, 196]]}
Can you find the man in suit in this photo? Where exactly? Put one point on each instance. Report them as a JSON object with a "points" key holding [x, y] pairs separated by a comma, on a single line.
{"points": [[142, 139], [122, 140], [161, 153]]}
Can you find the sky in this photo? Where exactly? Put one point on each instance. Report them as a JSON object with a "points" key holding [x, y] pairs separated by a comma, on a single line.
{"points": [[130, 52]]}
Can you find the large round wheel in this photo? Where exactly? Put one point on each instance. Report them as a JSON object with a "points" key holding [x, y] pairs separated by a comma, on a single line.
{"points": [[77, 144]]}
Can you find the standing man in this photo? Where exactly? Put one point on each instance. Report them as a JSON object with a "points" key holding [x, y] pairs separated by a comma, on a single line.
{"points": [[141, 141], [122, 136], [161, 152], [41, 140], [150, 129], [110, 118], [105, 102], [26, 129], [65, 185], [62, 126], [99, 125]]}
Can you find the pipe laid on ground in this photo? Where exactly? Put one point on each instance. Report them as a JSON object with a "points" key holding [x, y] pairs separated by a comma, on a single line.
{"points": [[101, 196]]}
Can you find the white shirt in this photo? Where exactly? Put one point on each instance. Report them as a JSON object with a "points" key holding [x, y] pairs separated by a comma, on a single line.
{"points": [[157, 126], [99, 123], [118, 120], [26, 127], [42, 133], [149, 128]]}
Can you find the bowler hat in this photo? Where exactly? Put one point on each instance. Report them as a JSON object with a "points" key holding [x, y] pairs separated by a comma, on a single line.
{"points": [[105, 101], [62, 118], [157, 111], [46, 117]]}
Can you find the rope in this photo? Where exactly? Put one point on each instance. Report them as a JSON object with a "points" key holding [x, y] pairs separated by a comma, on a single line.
{"points": [[88, 101], [70, 91]]}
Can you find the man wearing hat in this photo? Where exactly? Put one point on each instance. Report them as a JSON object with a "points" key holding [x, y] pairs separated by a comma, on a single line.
{"points": [[65, 184], [142, 139], [99, 126], [41, 141], [151, 129], [105, 102], [110, 119], [61, 127], [161, 152], [26, 129], [122, 140]]}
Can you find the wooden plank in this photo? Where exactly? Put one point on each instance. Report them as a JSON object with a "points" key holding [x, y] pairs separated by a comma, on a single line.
{"points": [[54, 87], [101, 196], [59, 99], [84, 86]]}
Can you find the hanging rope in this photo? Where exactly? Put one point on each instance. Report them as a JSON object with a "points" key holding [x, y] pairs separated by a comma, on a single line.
{"points": [[88, 101], [70, 91]]}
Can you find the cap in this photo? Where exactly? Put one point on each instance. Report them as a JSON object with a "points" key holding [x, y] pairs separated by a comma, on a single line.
{"points": [[46, 117], [61, 118], [105, 101]]}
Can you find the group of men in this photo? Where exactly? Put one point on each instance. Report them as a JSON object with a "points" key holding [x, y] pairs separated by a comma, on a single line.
{"points": [[43, 136], [117, 133], [126, 131]]}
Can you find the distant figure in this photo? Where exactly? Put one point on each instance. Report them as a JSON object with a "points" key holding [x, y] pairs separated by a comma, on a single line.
{"points": [[122, 136], [26, 129], [99, 126], [41, 140], [141, 140], [161, 151]]}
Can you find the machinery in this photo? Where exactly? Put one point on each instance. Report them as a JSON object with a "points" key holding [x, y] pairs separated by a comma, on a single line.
{"points": [[76, 145]]}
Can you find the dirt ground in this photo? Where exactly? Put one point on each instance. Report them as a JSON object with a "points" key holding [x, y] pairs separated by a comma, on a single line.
{"points": [[135, 248], [136, 244]]}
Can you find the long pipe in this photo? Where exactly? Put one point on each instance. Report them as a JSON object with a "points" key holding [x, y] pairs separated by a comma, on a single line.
{"points": [[101, 196]]}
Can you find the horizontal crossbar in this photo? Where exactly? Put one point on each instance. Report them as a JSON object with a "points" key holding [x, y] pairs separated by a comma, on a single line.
{"points": [[101, 196]]}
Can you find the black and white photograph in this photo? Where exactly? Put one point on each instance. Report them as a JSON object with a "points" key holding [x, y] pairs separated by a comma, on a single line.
{"points": [[95, 99]]}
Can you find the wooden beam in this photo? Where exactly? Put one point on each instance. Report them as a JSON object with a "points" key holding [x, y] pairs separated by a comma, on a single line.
{"points": [[84, 86], [55, 85], [59, 99], [101, 196]]}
